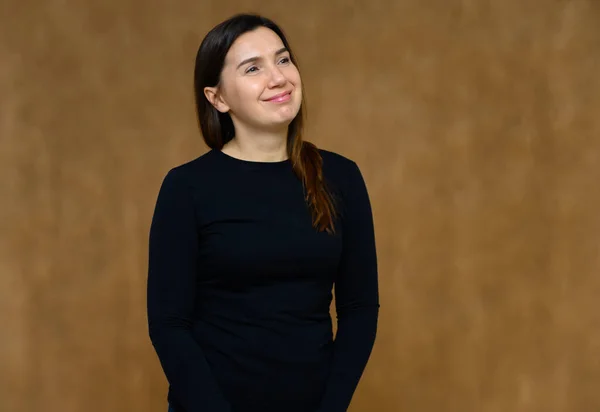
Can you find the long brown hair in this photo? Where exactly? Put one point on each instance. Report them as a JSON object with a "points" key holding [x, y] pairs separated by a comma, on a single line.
{"points": [[217, 128]]}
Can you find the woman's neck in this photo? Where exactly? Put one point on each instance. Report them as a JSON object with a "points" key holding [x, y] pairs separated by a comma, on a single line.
{"points": [[259, 150]]}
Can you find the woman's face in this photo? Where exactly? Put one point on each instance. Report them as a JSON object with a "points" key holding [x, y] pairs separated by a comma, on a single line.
{"points": [[258, 68]]}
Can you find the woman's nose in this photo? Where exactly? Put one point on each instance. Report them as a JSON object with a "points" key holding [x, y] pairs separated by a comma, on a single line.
{"points": [[276, 75]]}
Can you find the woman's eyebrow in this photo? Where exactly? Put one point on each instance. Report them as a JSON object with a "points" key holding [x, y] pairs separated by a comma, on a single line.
{"points": [[256, 58]]}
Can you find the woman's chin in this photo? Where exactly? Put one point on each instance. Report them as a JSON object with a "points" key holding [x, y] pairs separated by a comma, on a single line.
{"points": [[283, 120]]}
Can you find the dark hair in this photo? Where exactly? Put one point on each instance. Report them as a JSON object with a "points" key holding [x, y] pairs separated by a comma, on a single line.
{"points": [[217, 128]]}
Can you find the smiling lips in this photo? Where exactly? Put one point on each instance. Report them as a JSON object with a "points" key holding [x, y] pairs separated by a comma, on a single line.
{"points": [[280, 98]]}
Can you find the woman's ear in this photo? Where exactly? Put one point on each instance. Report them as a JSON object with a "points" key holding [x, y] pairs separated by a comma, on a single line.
{"points": [[214, 97]]}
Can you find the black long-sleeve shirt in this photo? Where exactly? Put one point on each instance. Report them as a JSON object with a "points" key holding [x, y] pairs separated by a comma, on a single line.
{"points": [[240, 285]]}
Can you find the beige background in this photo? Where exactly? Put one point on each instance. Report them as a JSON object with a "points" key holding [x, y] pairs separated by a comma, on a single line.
{"points": [[476, 125]]}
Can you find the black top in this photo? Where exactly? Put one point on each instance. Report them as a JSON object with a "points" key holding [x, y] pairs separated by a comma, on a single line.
{"points": [[240, 285]]}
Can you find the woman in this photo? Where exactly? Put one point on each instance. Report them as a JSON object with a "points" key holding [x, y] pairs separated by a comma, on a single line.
{"points": [[248, 240]]}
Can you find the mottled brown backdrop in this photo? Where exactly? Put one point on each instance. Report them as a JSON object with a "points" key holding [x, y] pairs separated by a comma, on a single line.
{"points": [[476, 125]]}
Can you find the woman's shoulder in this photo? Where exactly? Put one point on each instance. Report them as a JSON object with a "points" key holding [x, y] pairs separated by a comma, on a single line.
{"points": [[197, 164], [335, 160], [190, 174], [191, 168], [338, 166]]}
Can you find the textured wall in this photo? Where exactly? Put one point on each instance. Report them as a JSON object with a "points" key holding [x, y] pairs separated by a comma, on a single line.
{"points": [[475, 123]]}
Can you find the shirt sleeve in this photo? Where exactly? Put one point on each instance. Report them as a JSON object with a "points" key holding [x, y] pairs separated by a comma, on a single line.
{"points": [[356, 297], [172, 272]]}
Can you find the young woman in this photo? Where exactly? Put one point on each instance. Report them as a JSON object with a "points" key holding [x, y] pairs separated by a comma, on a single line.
{"points": [[248, 240]]}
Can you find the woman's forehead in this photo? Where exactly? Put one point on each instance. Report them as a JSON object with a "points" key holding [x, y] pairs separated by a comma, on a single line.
{"points": [[261, 42]]}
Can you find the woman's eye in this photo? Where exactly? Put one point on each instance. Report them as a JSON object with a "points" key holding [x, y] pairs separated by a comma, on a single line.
{"points": [[253, 69]]}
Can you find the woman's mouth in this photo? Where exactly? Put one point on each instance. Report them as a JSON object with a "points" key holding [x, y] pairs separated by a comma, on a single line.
{"points": [[280, 98]]}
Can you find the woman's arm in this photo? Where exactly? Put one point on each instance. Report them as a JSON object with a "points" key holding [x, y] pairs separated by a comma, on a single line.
{"points": [[172, 272], [356, 296]]}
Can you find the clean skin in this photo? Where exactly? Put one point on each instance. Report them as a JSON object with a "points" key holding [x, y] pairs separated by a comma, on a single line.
{"points": [[261, 90]]}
